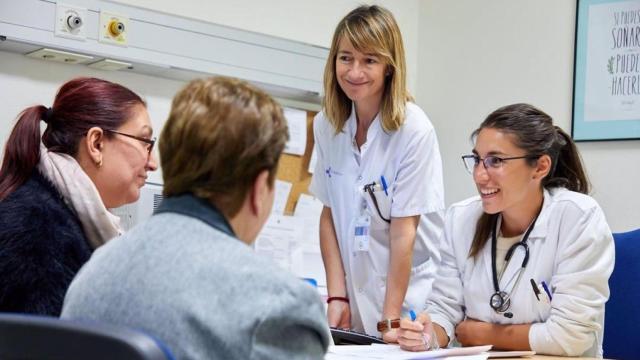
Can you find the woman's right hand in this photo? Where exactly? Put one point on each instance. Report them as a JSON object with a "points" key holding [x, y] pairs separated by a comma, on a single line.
{"points": [[339, 314], [416, 335]]}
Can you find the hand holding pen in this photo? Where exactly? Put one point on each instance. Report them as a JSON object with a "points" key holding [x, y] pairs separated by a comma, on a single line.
{"points": [[417, 333]]}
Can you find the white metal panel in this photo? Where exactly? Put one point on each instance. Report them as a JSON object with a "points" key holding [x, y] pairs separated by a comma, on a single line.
{"points": [[173, 47]]}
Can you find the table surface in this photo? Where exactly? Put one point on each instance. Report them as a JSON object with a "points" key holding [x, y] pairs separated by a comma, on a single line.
{"points": [[546, 357]]}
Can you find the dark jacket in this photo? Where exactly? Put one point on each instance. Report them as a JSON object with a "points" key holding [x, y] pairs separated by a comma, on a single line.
{"points": [[42, 247]]}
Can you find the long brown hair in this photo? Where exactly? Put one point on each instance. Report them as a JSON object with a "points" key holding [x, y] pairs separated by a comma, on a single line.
{"points": [[369, 29], [80, 104], [534, 132]]}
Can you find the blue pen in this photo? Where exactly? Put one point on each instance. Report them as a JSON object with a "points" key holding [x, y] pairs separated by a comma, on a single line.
{"points": [[384, 185], [546, 289], [424, 336]]}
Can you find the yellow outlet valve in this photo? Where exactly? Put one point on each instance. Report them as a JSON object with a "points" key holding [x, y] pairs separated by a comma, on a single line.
{"points": [[116, 28]]}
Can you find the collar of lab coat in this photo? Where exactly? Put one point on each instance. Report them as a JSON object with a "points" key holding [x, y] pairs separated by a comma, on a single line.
{"points": [[352, 124], [540, 229]]}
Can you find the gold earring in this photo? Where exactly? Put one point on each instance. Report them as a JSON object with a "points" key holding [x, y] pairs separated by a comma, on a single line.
{"points": [[99, 163]]}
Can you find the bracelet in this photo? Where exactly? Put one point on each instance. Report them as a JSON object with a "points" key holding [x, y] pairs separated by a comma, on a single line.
{"points": [[338, 298], [388, 324]]}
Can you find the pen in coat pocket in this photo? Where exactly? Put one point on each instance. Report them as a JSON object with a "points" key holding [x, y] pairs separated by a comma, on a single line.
{"points": [[536, 291], [384, 184], [546, 289]]}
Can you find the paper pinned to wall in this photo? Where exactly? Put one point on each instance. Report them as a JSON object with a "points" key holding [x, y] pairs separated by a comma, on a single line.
{"points": [[279, 240], [297, 122], [283, 189], [313, 161], [308, 209]]}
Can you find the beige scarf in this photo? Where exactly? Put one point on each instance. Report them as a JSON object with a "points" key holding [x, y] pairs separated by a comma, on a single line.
{"points": [[81, 195]]}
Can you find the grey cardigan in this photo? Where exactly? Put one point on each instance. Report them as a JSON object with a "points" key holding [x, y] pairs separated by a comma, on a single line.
{"points": [[183, 277]]}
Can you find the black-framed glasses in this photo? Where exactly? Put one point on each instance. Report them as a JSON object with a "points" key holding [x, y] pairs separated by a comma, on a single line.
{"points": [[490, 162], [149, 142]]}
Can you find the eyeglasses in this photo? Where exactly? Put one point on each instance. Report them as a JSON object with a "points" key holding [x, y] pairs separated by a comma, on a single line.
{"points": [[491, 162], [149, 142]]}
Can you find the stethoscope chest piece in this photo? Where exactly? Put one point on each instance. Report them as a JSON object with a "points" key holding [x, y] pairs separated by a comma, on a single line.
{"points": [[500, 301]]}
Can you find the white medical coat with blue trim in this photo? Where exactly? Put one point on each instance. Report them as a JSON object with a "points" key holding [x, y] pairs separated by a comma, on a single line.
{"points": [[571, 249], [409, 160]]}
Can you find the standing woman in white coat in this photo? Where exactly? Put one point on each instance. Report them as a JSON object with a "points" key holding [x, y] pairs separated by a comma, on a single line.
{"points": [[525, 265], [379, 175]]}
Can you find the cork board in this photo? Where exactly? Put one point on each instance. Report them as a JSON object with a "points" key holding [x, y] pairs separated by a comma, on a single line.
{"points": [[295, 169]]}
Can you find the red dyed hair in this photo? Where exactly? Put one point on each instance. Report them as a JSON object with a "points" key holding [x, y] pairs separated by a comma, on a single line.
{"points": [[80, 104]]}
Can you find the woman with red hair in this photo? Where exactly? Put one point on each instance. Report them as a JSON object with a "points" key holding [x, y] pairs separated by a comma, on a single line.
{"points": [[56, 187]]}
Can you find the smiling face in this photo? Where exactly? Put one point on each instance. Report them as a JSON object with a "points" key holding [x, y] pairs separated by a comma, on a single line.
{"points": [[360, 75], [511, 188], [126, 161]]}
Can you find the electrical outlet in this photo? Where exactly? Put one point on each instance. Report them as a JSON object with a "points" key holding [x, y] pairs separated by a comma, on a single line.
{"points": [[113, 28], [70, 22]]}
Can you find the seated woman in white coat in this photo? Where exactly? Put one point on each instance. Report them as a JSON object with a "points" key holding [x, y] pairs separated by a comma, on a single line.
{"points": [[525, 265]]}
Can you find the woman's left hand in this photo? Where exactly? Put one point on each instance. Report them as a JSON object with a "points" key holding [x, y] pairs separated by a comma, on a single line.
{"points": [[390, 336], [471, 332]]}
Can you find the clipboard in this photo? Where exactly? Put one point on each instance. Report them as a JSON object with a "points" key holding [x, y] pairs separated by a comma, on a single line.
{"points": [[349, 337]]}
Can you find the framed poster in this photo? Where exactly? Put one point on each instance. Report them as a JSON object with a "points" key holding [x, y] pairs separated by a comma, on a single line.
{"points": [[606, 86]]}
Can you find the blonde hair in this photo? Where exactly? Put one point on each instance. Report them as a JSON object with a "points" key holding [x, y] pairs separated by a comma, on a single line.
{"points": [[221, 133], [370, 29]]}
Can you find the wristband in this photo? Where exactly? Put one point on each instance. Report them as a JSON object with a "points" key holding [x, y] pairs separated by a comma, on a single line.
{"points": [[337, 298]]}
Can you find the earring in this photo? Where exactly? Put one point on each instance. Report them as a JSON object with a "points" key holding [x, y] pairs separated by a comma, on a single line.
{"points": [[99, 163]]}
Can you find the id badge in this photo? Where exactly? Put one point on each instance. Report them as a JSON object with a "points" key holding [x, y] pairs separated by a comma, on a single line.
{"points": [[361, 232]]}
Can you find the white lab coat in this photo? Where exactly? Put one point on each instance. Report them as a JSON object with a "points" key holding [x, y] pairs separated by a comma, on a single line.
{"points": [[409, 160], [571, 249]]}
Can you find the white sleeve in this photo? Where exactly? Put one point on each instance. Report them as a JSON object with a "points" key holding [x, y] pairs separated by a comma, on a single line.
{"points": [[318, 186], [445, 303], [418, 187], [580, 286]]}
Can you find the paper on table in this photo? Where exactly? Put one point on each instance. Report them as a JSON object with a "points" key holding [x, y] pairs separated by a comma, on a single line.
{"points": [[393, 352], [510, 354], [297, 123], [279, 241], [283, 188]]}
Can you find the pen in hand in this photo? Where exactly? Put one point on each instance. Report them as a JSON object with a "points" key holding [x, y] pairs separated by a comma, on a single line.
{"points": [[424, 336]]}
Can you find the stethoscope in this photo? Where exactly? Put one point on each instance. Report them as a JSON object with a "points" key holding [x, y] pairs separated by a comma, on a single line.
{"points": [[500, 301], [370, 189]]}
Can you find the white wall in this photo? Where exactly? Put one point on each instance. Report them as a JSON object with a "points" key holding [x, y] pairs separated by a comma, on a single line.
{"points": [[25, 82], [476, 56], [307, 21]]}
